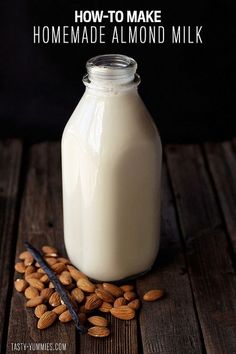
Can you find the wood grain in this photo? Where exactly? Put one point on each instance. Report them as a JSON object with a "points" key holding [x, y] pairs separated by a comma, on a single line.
{"points": [[40, 223], [10, 162], [169, 325], [198, 313], [208, 254], [222, 165]]}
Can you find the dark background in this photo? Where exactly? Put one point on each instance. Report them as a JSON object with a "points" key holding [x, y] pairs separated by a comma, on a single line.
{"points": [[189, 89]]}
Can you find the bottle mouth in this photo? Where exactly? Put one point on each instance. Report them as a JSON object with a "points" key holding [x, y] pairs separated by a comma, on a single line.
{"points": [[111, 69], [111, 61]]}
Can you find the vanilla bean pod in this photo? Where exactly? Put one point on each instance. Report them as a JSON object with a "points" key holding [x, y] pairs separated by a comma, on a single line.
{"points": [[58, 286]]}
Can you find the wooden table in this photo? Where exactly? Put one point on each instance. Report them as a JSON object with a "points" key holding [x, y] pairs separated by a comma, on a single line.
{"points": [[195, 263]]}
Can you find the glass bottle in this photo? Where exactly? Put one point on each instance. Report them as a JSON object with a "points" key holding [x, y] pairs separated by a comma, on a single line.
{"points": [[111, 170]]}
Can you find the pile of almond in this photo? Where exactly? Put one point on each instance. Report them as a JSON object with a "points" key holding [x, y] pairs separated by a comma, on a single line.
{"points": [[89, 299]]}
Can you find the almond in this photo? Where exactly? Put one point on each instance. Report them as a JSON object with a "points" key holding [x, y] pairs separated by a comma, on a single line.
{"points": [[93, 302], [58, 267], [41, 271], [24, 255], [20, 285], [135, 304], [37, 300], [98, 321], [44, 278], [52, 254], [46, 293], [63, 260], [20, 267], [55, 299], [127, 287], [59, 309], [77, 294], [29, 270], [31, 292], [97, 331], [50, 260], [46, 319], [130, 295], [123, 312], [29, 260], [65, 278], [35, 283], [40, 310], [113, 289], [51, 285], [86, 285], [65, 316], [153, 295], [49, 249], [105, 307], [120, 301], [34, 275], [75, 273], [104, 295]]}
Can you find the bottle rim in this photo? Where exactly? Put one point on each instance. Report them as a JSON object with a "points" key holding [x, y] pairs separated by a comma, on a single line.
{"points": [[111, 69], [111, 61]]}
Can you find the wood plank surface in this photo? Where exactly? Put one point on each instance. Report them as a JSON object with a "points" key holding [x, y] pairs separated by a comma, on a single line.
{"points": [[40, 223], [222, 164], [10, 162], [198, 313], [169, 325], [208, 254]]}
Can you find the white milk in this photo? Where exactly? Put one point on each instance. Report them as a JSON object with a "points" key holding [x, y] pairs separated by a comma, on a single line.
{"points": [[111, 168]]}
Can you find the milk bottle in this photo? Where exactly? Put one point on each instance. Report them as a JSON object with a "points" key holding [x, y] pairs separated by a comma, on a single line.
{"points": [[111, 170]]}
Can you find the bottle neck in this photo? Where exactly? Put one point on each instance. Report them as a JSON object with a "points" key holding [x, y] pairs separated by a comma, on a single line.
{"points": [[111, 73]]}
